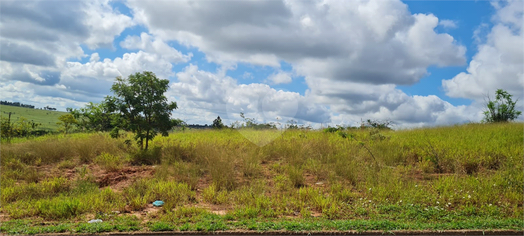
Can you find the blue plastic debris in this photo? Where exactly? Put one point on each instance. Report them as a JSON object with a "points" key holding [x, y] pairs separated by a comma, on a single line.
{"points": [[158, 203]]}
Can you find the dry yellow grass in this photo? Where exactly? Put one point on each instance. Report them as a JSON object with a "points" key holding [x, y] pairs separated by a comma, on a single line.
{"points": [[434, 174]]}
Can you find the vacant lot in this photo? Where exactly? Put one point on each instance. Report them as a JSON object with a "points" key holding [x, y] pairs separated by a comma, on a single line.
{"points": [[460, 177], [48, 119]]}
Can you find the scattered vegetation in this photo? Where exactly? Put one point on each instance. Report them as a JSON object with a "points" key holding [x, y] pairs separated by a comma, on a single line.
{"points": [[460, 177], [46, 118]]}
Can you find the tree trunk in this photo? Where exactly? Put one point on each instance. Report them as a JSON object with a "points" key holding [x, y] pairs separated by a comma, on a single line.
{"points": [[147, 139]]}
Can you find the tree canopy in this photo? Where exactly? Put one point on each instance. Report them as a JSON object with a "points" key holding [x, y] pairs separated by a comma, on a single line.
{"points": [[217, 123], [66, 122], [94, 117], [141, 106]]}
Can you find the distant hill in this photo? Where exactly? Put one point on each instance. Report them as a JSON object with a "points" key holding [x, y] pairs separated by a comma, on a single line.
{"points": [[47, 118]]}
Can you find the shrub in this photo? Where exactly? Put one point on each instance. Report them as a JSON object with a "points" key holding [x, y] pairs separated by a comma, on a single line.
{"points": [[137, 195], [109, 162], [502, 109], [295, 175], [331, 130], [172, 193], [32, 191], [147, 156], [212, 195]]}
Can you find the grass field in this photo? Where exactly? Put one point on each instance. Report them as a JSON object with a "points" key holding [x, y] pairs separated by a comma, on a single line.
{"points": [[48, 119], [458, 177]]}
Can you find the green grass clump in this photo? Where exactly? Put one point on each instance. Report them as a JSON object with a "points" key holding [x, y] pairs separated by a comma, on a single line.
{"points": [[32, 191], [109, 162], [59, 208]]}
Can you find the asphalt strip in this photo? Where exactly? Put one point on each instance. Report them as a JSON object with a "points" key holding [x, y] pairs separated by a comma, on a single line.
{"points": [[275, 233]]}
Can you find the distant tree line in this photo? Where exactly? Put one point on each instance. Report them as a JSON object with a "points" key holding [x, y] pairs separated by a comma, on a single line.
{"points": [[18, 104], [49, 108], [251, 123], [197, 126]]}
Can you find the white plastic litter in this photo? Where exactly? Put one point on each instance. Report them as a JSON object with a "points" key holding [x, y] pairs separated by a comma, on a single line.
{"points": [[95, 221]]}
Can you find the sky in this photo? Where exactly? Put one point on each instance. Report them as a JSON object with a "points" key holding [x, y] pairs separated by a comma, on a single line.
{"points": [[330, 62]]}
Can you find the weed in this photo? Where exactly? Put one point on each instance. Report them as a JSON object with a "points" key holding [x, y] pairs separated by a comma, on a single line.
{"points": [[295, 174], [147, 156], [67, 164], [109, 162], [59, 208], [467, 176], [161, 226], [211, 195]]}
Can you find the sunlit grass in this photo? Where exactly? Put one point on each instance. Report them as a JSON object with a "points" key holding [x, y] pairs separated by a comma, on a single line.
{"points": [[442, 175]]}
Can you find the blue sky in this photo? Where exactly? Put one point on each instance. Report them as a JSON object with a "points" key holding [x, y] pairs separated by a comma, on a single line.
{"points": [[468, 16], [335, 62]]}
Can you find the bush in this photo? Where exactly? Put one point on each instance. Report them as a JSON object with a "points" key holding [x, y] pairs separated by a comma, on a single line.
{"points": [[59, 208], [172, 193], [296, 177], [147, 156], [331, 130], [109, 162], [212, 195], [502, 109], [34, 191]]}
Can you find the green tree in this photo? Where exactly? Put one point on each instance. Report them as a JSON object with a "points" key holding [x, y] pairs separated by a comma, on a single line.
{"points": [[94, 117], [217, 123], [142, 107], [66, 122], [502, 109]]}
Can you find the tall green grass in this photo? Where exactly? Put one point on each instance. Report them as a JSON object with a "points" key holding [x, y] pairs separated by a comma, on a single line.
{"points": [[442, 174]]}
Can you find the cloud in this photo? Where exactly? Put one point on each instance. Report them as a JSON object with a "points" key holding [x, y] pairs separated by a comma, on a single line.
{"points": [[352, 55], [448, 24], [95, 77], [39, 37], [247, 75], [155, 46], [372, 42], [45, 96], [104, 23], [280, 78], [222, 95], [19, 53], [58, 28], [499, 62], [415, 111]]}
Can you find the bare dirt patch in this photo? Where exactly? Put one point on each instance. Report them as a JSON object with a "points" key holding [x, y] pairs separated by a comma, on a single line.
{"points": [[3, 217], [215, 209], [123, 177]]}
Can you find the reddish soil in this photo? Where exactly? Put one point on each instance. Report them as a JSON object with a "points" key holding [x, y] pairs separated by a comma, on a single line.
{"points": [[119, 179]]}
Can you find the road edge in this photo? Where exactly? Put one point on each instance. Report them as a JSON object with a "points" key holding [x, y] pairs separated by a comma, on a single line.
{"points": [[350, 232]]}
